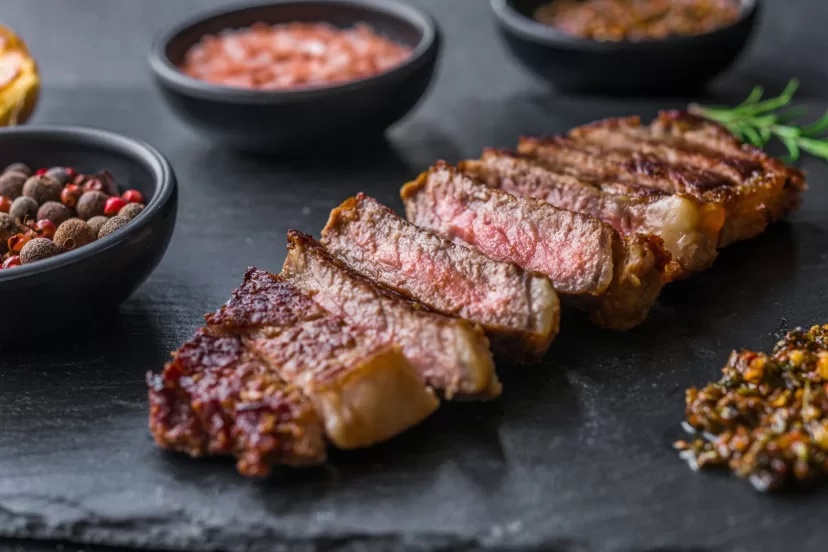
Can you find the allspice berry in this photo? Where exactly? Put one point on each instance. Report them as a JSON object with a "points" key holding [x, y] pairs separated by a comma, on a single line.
{"points": [[96, 223], [60, 174], [55, 211], [91, 204], [21, 168], [38, 249], [42, 188], [112, 225], [72, 234], [130, 210], [11, 184], [24, 208], [8, 228]]}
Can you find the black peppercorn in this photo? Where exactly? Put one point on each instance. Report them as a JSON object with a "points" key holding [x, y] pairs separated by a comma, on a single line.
{"points": [[130, 210], [42, 188], [8, 228], [22, 168], [96, 223], [72, 234], [112, 225], [91, 204], [24, 208], [11, 184], [38, 249], [55, 211], [60, 174]]}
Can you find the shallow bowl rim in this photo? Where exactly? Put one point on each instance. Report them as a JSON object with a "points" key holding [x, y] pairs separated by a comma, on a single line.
{"points": [[163, 176], [171, 76]]}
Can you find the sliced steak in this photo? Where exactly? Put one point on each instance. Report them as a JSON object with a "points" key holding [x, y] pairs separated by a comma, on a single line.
{"points": [[755, 188], [688, 226], [451, 354], [616, 279], [217, 397], [519, 310], [365, 391]]}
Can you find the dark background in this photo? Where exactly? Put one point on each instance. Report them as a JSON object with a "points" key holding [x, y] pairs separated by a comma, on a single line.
{"points": [[575, 456]]}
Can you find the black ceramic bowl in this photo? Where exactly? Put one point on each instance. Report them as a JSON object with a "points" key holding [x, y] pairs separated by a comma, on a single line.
{"points": [[301, 118], [670, 65], [61, 292]]}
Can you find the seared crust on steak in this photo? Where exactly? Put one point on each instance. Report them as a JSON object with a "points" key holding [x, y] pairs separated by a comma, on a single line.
{"points": [[519, 310], [688, 226], [451, 354], [679, 152], [365, 391], [217, 397], [616, 279]]}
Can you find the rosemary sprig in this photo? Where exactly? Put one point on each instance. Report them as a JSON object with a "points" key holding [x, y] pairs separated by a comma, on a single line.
{"points": [[759, 121]]}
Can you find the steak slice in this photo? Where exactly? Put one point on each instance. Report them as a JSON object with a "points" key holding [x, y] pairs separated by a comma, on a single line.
{"points": [[688, 226], [451, 354], [364, 391], [677, 147], [617, 280], [519, 310], [217, 397]]}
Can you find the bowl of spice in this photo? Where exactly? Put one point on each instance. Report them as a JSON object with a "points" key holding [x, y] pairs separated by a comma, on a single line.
{"points": [[627, 46], [295, 75], [85, 216]]}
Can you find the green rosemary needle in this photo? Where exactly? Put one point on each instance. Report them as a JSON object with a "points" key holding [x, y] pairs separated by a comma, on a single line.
{"points": [[758, 121]]}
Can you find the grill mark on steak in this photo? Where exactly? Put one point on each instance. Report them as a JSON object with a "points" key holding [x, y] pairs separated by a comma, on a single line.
{"points": [[365, 390], [216, 397], [689, 227], [451, 354], [616, 280], [519, 310]]}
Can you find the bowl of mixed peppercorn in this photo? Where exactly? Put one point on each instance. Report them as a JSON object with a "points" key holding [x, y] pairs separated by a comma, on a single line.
{"points": [[85, 216]]}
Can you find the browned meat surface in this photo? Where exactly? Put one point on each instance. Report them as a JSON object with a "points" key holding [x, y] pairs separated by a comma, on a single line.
{"points": [[451, 354], [217, 397], [272, 373], [689, 227], [616, 279], [519, 310], [365, 390], [679, 152]]}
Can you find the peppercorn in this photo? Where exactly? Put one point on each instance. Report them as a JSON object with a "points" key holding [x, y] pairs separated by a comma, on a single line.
{"points": [[17, 241], [37, 250], [60, 174], [11, 184], [96, 223], [21, 168], [45, 228], [91, 184], [130, 210], [5, 204], [54, 211], [42, 188], [72, 234], [108, 182], [70, 195], [113, 206], [8, 228], [91, 204], [132, 196], [112, 225], [12, 261], [23, 208]]}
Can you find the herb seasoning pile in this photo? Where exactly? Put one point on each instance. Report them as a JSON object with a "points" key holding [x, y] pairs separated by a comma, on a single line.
{"points": [[766, 419]]}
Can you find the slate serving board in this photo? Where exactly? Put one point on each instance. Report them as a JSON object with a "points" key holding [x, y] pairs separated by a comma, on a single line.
{"points": [[576, 455]]}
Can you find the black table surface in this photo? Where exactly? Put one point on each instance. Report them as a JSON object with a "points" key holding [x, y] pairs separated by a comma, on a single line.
{"points": [[576, 454]]}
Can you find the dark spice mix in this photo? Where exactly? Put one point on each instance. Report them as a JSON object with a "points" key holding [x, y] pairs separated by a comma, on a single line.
{"points": [[766, 419]]}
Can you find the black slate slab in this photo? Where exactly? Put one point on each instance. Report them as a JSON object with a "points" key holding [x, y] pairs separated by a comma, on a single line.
{"points": [[575, 456]]}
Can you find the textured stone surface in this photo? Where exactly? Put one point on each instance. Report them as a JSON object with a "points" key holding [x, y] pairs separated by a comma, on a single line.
{"points": [[576, 454]]}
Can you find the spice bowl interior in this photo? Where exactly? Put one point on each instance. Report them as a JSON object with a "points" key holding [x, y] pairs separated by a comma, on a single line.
{"points": [[57, 293], [676, 64], [296, 119]]}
